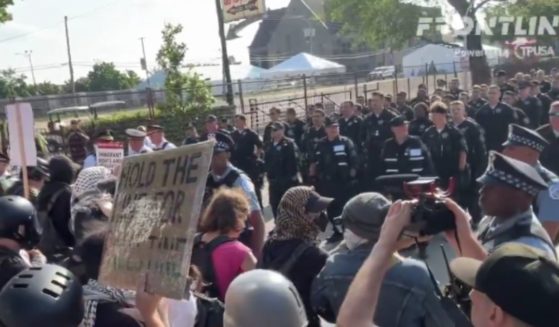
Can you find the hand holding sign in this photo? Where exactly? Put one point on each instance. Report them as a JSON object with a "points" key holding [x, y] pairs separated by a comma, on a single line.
{"points": [[154, 219]]}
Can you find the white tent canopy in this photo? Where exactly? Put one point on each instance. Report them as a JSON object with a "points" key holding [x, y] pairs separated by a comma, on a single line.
{"points": [[304, 63]]}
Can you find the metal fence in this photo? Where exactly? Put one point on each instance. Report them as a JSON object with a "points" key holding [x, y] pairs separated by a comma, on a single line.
{"points": [[255, 97]]}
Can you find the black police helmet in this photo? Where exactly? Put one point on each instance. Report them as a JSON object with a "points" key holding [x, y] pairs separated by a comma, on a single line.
{"points": [[19, 221], [43, 296]]}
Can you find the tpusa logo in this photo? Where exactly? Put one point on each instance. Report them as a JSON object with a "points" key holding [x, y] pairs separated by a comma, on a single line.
{"points": [[520, 49], [493, 26]]}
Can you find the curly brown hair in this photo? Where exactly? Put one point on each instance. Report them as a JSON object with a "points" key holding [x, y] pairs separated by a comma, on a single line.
{"points": [[227, 210]]}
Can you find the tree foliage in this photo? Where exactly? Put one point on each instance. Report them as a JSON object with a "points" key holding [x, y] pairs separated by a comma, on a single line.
{"points": [[187, 95], [105, 77], [13, 84], [379, 23], [4, 14]]}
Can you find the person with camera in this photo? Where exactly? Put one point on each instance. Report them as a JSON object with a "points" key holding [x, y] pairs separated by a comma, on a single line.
{"points": [[405, 154], [526, 145], [407, 295]]}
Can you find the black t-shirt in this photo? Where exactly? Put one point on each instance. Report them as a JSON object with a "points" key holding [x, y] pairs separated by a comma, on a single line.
{"points": [[303, 272], [109, 314]]}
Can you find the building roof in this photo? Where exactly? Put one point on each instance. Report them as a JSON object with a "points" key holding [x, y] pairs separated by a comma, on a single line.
{"points": [[267, 27]]}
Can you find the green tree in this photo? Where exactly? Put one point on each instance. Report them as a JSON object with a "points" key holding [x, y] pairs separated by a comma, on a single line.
{"points": [[133, 78], [105, 77], [4, 14], [187, 95], [45, 88], [12, 84], [393, 23]]}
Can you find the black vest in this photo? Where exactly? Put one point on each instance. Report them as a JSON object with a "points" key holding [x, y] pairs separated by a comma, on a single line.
{"points": [[212, 185]]}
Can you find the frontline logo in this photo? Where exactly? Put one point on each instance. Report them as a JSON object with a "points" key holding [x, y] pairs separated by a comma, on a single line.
{"points": [[493, 26]]}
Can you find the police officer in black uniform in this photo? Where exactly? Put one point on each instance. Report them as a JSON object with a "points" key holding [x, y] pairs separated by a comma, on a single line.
{"points": [[476, 101], [19, 230], [550, 132], [375, 131], [350, 123], [211, 126], [403, 107], [295, 127], [312, 136], [554, 89], [275, 115], [421, 121], [334, 164], [520, 117], [281, 165], [454, 88], [248, 149], [405, 154], [508, 190], [447, 147], [544, 99], [531, 106], [495, 118], [477, 156], [422, 96]]}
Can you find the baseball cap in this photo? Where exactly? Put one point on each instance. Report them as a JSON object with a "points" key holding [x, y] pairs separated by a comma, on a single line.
{"points": [[520, 279], [317, 202], [397, 121], [364, 214], [331, 121]]}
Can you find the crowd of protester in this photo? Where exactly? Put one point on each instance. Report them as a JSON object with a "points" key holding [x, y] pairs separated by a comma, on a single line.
{"points": [[494, 149]]}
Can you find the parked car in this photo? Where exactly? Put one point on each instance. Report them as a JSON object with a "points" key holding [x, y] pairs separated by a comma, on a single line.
{"points": [[382, 72]]}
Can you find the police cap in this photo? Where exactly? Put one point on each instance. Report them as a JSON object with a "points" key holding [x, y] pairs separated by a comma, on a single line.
{"points": [[513, 173], [223, 143], [522, 136], [154, 128], [331, 121], [134, 133]]}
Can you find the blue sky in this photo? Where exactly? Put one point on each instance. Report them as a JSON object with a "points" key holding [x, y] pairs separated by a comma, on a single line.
{"points": [[109, 30]]}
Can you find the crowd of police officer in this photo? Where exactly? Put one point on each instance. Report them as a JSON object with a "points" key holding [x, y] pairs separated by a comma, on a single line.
{"points": [[447, 134]]}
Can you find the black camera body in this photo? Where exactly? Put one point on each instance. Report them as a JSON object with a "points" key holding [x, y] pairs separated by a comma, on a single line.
{"points": [[430, 216]]}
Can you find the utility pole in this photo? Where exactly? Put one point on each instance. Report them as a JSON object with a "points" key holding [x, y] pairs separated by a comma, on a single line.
{"points": [[27, 53], [224, 55], [72, 83], [144, 62]]}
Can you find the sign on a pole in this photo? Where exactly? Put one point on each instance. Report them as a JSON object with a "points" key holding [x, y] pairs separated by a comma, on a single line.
{"points": [[154, 220], [239, 9], [21, 133], [109, 154]]}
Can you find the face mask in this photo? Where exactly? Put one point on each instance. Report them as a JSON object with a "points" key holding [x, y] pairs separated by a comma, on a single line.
{"points": [[320, 220], [353, 241]]}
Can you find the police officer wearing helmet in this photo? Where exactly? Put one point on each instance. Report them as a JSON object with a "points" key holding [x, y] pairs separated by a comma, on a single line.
{"points": [[46, 296], [263, 298], [281, 165], [405, 154], [334, 164], [509, 187], [19, 230], [526, 145]]}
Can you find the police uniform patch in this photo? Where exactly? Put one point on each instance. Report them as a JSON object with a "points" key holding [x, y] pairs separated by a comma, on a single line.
{"points": [[444, 135], [554, 191]]}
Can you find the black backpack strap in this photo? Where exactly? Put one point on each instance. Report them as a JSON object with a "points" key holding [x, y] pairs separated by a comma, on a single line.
{"points": [[231, 177], [210, 248], [293, 258]]}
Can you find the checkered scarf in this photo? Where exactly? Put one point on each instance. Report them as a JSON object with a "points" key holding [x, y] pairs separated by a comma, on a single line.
{"points": [[292, 221], [95, 293], [85, 191]]}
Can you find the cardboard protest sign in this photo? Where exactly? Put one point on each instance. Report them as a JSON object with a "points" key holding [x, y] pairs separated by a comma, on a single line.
{"points": [[109, 154], [21, 132], [154, 220]]}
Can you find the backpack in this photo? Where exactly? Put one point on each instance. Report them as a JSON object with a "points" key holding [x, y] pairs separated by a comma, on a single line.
{"points": [[285, 267], [51, 244], [210, 311], [202, 258]]}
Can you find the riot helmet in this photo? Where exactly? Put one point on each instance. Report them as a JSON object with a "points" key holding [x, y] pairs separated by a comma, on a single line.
{"points": [[42, 296], [19, 221], [263, 298]]}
